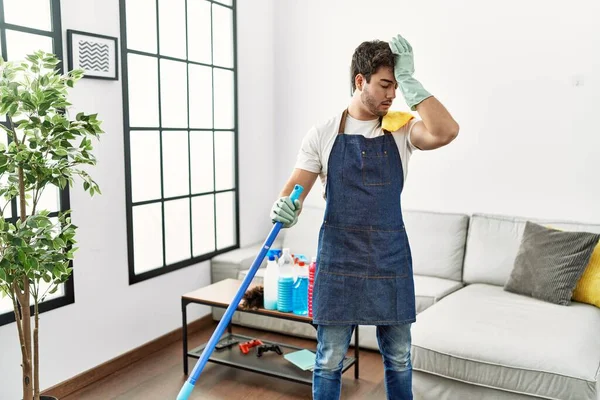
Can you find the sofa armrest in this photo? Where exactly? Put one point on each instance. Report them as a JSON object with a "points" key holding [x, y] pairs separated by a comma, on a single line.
{"points": [[227, 265]]}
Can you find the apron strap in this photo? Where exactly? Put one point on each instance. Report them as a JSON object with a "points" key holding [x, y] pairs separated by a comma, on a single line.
{"points": [[342, 126]]}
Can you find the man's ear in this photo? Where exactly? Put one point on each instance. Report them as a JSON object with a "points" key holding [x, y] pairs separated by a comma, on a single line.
{"points": [[359, 81]]}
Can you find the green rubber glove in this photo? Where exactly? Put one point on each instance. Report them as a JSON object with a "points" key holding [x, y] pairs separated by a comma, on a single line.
{"points": [[285, 211], [404, 68]]}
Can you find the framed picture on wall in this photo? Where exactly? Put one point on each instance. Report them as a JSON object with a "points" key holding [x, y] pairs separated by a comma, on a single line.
{"points": [[95, 54]]}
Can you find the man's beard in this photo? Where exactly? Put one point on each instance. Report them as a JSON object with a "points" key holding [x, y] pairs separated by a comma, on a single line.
{"points": [[371, 104]]}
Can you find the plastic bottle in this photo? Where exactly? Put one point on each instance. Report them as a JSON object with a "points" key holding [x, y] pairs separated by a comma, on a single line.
{"points": [[300, 293], [296, 267], [270, 283], [285, 282], [312, 268]]}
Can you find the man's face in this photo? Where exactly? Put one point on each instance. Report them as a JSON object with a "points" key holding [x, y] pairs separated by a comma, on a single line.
{"points": [[377, 95]]}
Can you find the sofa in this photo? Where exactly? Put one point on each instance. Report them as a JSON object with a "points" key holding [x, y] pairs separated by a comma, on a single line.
{"points": [[472, 339]]}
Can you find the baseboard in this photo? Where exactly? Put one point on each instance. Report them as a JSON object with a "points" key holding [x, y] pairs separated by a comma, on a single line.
{"points": [[90, 376]]}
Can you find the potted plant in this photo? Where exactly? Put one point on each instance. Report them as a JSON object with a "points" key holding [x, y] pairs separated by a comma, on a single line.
{"points": [[45, 147]]}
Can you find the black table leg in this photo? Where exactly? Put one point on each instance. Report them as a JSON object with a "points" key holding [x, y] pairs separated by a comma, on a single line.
{"points": [[356, 352], [184, 304]]}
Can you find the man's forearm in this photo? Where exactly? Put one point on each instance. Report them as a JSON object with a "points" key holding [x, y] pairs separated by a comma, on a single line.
{"points": [[437, 119], [301, 177]]}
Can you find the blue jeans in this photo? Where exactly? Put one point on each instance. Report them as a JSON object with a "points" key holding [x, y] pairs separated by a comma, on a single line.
{"points": [[333, 341]]}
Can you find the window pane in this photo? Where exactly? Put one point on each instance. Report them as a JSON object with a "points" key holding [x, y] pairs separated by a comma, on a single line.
{"points": [[49, 200], [20, 44], [224, 160], [6, 304], [141, 25], [147, 237], [201, 150], [200, 97], [173, 94], [143, 91], [145, 165], [175, 163], [225, 219], [199, 31], [223, 98], [222, 36], [177, 230], [29, 13], [46, 287], [203, 223], [172, 27], [228, 2]]}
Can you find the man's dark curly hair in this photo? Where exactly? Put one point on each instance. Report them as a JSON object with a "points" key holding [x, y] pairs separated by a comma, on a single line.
{"points": [[368, 58]]}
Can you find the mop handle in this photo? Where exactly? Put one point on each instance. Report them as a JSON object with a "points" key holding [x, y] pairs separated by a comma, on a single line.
{"points": [[188, 386]]}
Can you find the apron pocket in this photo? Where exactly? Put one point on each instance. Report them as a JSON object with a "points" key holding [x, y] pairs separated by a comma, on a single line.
{"points": [[375, 169], [390, 253], [345, 251]]}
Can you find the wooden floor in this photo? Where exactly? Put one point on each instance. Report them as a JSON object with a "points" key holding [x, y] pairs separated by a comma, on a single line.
{"points": [[160, 377]]}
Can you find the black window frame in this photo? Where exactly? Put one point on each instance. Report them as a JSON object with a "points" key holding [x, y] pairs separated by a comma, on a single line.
{"points": [[167, 268], [65, 204]]}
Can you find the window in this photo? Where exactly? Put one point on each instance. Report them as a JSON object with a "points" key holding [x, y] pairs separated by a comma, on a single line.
{"points": [[180, 124], [27, 26]]}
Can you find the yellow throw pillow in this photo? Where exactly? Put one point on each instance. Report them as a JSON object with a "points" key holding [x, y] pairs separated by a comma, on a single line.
{"points": [[588, 286]]}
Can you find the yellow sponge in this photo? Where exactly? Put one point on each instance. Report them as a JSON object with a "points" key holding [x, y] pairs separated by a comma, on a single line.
{"points": [[395, 120]]}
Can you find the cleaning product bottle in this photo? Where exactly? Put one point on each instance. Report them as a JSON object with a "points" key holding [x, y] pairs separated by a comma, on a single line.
{"points": [[312, 268], [270, 283], [285, 282], [296, 267], [300, 293]]}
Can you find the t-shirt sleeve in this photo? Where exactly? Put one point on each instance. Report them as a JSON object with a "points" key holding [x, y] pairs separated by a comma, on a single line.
{"points": [[308, 157], [409, 127], [402, 136]]}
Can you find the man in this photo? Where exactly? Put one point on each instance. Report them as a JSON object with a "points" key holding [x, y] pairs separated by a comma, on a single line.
{"points": [[364, 274]]}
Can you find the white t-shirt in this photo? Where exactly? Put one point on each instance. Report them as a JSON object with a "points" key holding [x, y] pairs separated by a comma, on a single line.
{"points": [[318, 142]]}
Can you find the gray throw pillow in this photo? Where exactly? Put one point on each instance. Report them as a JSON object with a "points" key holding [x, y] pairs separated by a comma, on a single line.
{"points": [[550, 262]]}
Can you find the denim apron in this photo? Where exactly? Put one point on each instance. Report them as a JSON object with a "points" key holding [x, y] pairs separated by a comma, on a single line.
{"points": [[364, 263]]}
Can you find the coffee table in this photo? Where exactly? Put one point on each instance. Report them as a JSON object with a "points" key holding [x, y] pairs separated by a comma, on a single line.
{"points": [[270, 363]]}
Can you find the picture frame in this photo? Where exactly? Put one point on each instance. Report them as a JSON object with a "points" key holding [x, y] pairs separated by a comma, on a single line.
{"points": [[96, 54]]}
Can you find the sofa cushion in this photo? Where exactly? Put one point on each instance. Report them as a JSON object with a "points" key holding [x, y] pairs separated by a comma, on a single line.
{"points": [[550, 262], [429, 290], [227, 265], [493, 242], [588, 287], [259, 276], [486, 336], [437, 241]]}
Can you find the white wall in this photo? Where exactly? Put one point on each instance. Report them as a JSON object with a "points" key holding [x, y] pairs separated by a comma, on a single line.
{"points": [[110, 317], [507, 71]]}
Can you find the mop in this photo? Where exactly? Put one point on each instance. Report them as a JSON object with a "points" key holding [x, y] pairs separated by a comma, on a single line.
{"points": [[188, 386]]}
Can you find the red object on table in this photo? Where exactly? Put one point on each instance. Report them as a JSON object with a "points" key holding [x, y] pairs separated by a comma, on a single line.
{"points": [[245, 347]]}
